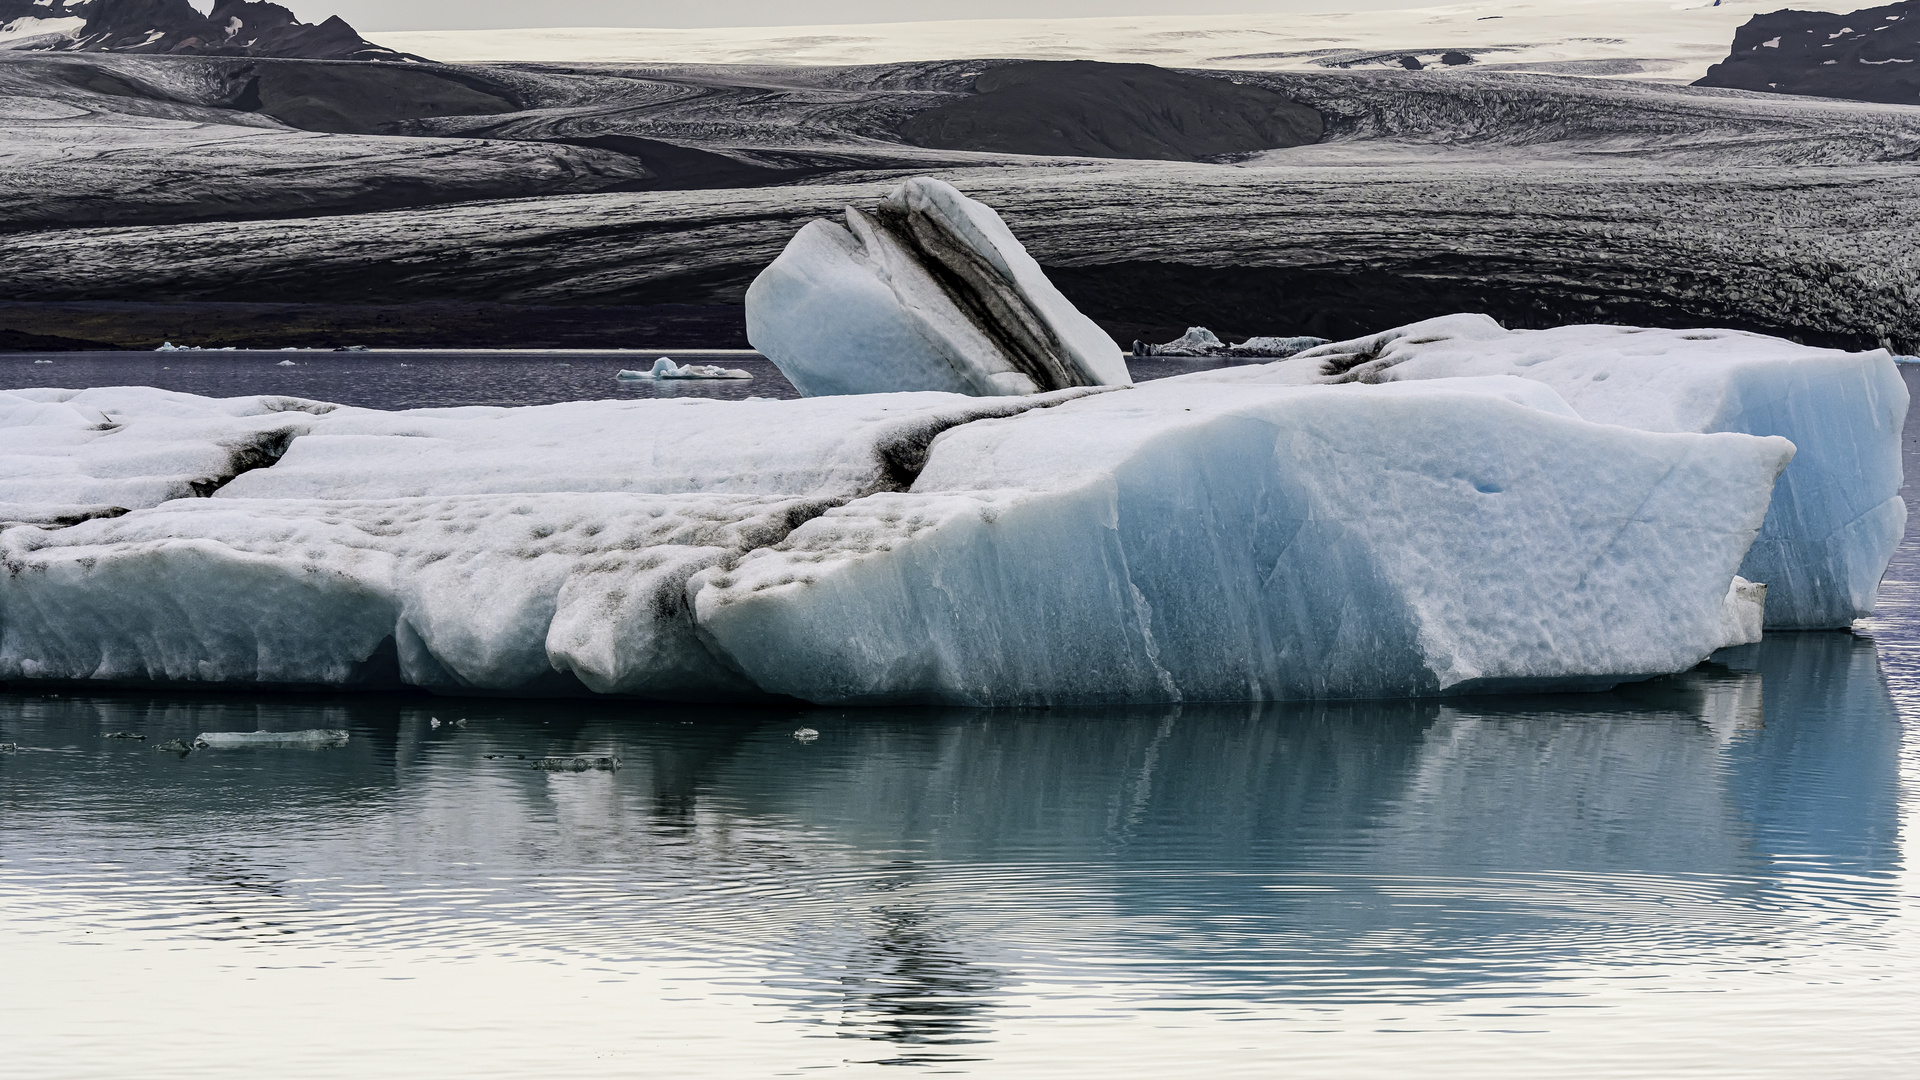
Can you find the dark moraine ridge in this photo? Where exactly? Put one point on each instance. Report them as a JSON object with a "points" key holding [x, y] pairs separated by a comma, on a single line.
{"points": [[1869, 55], [1083, 108]]}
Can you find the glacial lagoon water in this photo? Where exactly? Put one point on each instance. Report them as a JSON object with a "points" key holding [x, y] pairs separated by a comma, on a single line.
{"points": [[420, 379], [1709, 875]]}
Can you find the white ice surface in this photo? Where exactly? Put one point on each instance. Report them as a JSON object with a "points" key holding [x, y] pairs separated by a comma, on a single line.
{"points": [[1837, 514], [66, 454], [1194, 542], [1180, 541], [852, 309], [1670, 40]]}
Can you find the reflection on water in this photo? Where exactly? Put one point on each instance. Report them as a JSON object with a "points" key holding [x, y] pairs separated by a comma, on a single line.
{"points": [[905, 878]]}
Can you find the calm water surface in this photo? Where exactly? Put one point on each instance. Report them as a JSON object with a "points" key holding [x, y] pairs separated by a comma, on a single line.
{"points": [[408, 379], [1709, 875]]}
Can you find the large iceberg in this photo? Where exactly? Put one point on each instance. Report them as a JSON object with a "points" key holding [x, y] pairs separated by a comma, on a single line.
{"points": [[1183, 543], [1177, 541], [929, 292], [1836, 515]]}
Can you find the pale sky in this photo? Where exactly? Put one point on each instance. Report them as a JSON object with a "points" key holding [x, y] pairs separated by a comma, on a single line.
{"points": [[377, 15]]}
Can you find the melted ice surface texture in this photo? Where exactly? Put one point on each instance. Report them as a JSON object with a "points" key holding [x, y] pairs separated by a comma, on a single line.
{"points": [[1194, 542], [1836, 515], [931, 293]]}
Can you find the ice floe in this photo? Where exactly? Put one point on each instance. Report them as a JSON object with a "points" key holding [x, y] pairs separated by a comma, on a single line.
{"points": [[929, 292], [1836, 515], [1191, 539], [1199, 342], [314, 739], [665, 368], [1203, 542]]}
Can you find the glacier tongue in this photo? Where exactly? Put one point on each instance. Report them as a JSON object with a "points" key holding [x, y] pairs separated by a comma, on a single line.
{"points": [[1203, 542], [929, 292], [1836, 515]]}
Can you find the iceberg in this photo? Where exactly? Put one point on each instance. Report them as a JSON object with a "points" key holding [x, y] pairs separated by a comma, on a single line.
{"points": [[1199, 341], [1178, 541], [457, 549], [931, 291], [314, 739], [1201, 542], [665, 368], [1836, 516]]}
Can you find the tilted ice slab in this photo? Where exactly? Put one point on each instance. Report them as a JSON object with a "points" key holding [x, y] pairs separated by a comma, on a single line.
{"points": [[1190, 542], [930, 292], [1836, 516]]}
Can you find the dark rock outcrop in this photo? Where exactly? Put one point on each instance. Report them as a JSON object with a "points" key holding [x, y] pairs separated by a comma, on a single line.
{"points": [[1083, 108], [231, 28], [1870, 55]]}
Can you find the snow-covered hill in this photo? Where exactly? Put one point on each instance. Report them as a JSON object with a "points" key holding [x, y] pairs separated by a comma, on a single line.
{"points": [[1669, 40], [178, 27]]}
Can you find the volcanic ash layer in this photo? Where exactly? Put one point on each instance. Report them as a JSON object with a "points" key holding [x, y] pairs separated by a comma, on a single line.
{"points": [[1179, 541]]}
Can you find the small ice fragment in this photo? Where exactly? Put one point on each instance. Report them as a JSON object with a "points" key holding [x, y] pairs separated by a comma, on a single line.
{"points": [[9, 747], [127, 735], [43, 361], [229, 740], [175, 746], [286, 363], [579, 764], [806, 734], [433, 721], [664, 368]]}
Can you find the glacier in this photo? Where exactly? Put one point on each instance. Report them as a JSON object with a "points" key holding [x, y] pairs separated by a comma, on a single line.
{"points": [[930, 292], [1177, 541], [1194, 542], [1836, 515]]}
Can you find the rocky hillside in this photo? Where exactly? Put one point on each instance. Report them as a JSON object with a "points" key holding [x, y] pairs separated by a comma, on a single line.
{"points": [[1870, 55], [230, 28]]}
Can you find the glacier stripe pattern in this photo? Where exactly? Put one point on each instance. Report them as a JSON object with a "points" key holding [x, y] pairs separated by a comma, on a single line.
{"points": [[930, 292]]}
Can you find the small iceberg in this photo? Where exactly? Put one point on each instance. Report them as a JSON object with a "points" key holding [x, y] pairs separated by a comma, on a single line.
{"points": [[664, 368], [235, 740], [168, 346], [1199, 342], [286, 363], [579, 764], [43, 361]]}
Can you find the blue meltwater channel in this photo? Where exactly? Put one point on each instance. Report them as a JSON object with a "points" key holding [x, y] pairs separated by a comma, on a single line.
{"points": [[1706, 875]]}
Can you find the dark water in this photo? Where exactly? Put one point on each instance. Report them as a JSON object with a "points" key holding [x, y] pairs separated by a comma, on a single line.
{"points": [[1708, 875], [403, 379]]}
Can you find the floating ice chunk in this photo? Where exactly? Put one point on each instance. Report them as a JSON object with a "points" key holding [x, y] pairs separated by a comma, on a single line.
{"points": [[286, 363], [1836, 515], [665, 368], [235, 740], [1199, 341], [929, 292], [1195, 542], [576, 764], [1278, 348]]}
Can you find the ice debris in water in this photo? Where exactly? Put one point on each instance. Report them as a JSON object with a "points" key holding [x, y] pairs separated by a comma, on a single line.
{"points": [[127, 735], [806, 734], [577, 764], [9, 748], [1836, 515], [930, 291], [665, 368], [234, 740], [286, 363], [1199, 341]]}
